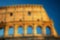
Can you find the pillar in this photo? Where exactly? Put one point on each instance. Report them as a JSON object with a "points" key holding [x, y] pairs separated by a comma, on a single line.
{"points": [[34, 30], [43, 30], [54, 33], [6, 31], [15, 30], [25, 30]]}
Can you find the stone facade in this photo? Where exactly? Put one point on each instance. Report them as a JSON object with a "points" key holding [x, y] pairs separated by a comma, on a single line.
{"points": [[25, 15]]}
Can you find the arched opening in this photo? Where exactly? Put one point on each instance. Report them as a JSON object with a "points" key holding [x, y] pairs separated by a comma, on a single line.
{"points": [[1, 32], [11, 31], [29, 13], [39, 30], [11, 14], [20, 30], [29, 30], [48, 31]]}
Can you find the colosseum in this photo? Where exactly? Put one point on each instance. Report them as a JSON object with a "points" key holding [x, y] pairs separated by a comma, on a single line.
{"points": [[26, 22]]}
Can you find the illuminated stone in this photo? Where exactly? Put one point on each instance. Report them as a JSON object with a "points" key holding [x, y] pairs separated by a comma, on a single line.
{"points": [[29, 15]]}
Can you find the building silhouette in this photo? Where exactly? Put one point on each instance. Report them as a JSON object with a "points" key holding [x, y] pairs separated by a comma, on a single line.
{"points": [[26, 22]]}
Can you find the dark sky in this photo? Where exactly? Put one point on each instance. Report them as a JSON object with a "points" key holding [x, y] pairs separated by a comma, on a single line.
{"points": [[51, 6]]}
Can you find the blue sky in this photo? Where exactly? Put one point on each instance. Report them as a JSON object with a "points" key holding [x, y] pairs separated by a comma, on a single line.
{"points": [[51, 6]]}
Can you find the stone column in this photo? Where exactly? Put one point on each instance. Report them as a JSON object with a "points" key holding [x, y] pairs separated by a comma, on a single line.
{"points": [[43, 30], [25, 30], [6, 31], [34, 30], [15, 30], [53, 31]]}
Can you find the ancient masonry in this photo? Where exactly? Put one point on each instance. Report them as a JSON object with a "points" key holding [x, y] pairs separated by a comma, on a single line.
{"points": [[25, 15]]}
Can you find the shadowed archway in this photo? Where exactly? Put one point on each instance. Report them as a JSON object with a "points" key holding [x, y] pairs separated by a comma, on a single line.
{"points": [[39, 30], [48, 30], [20, 30], [29, 30], [11, 31], [1, 32]]}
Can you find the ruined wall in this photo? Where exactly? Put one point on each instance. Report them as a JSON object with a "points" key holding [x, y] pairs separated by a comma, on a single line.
{"points": [[25, 15]]}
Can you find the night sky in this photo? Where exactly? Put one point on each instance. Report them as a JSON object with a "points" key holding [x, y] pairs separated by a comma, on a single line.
{"points": [[51, 6]]}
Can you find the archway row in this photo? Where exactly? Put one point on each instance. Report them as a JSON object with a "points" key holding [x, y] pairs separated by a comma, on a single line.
{"points": [[29, 30]]}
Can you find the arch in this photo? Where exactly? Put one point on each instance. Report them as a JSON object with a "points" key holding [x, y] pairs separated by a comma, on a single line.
{"points": [[29, 30], [11, 31], [29, 13], [20, 30], [48, 31], [39, 30], [1, 32]]}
